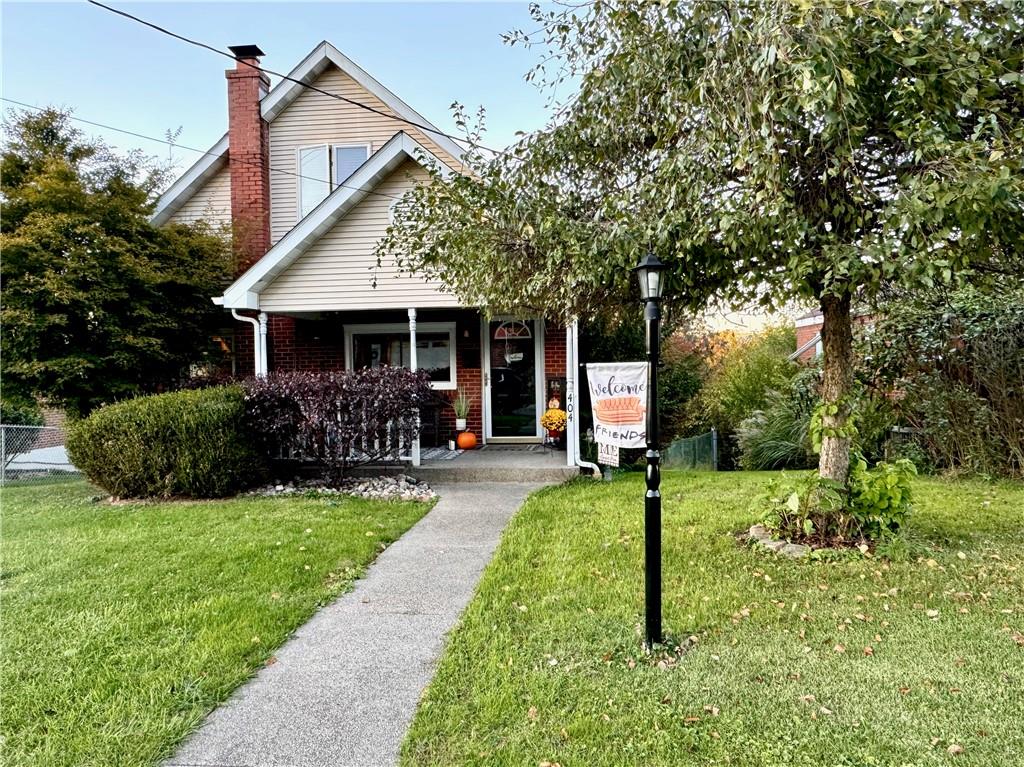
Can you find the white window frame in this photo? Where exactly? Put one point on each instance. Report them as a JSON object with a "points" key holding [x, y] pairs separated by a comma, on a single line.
{"points": [[367, 146], [331, 184], [402, 328], [300, 176]]}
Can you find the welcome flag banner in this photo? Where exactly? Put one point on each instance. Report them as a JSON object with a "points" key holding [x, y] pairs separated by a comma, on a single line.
{"points": [[618, 393]]}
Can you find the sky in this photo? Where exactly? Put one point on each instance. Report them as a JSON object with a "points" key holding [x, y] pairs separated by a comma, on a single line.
{"points": [[111, 70]]}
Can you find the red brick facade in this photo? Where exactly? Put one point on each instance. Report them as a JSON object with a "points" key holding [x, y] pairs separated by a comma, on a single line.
{"points": [[554, 361], [803, 335], [249, 163]]}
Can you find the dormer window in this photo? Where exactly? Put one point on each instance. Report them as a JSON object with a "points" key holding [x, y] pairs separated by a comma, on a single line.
{"points": [[325, 167]]}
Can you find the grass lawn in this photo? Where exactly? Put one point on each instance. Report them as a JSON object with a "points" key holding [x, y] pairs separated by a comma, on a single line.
{"points": [[123, 625], [853, 662]]}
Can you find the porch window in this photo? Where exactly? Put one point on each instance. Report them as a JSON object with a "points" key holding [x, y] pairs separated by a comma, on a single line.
{"points": [[323, 168], [370, 346]]}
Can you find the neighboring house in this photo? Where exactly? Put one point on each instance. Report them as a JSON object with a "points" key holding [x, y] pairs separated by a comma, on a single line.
{"points": [[307, 183], [808, 336]]}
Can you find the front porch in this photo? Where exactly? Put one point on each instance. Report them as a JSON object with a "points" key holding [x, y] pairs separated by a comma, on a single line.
{"points": [[508, 368]]}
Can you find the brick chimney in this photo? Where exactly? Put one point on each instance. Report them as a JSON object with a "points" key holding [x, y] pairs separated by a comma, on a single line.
{"points": [[248, 157]]}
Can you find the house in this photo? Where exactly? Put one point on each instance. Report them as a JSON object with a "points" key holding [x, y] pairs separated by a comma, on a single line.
{"points": [[808, 336], [307, 176]]}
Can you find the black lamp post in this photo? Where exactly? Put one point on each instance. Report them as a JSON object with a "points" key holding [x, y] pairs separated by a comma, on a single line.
{"points": [[650, 272]]}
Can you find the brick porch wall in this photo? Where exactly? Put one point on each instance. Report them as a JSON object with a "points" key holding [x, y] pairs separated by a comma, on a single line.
{"points": [[318, 345], [554, 358]]}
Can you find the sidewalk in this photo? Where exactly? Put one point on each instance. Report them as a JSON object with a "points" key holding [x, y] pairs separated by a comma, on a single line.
{"points": [[344, 689]]}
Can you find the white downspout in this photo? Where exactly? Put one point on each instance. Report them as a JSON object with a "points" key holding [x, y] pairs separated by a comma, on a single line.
{"points": [[264, 367], [572, 393], [414, 364], [257, 358]]}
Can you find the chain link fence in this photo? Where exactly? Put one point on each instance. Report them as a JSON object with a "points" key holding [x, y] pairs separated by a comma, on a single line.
{"points": [[33, 454], [700, 452]]}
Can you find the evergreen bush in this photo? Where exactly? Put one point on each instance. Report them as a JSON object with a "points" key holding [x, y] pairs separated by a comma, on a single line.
{"points": [[188, 443]]}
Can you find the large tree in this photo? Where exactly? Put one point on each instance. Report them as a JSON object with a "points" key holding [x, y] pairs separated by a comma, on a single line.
{"points": [[767, 151], [98, 304]]}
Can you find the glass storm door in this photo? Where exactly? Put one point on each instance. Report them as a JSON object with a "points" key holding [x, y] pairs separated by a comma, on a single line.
{"points": [[513, 378]]}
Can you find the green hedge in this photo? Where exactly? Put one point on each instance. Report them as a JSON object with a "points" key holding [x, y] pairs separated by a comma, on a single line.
{"points": [[187, 443]]}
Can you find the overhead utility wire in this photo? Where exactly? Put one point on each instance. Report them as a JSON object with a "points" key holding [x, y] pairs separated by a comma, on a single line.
{"points": [[288, 78], [201, 151]]}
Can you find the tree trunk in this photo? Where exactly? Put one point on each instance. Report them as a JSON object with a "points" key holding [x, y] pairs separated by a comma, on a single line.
{"points": [[836, 386]]}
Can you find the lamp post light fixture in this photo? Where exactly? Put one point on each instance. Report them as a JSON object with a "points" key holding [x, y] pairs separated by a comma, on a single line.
{"points": [[650, 272]]}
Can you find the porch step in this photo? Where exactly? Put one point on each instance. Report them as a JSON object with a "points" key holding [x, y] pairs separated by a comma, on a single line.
{"points": [[438, 473]]}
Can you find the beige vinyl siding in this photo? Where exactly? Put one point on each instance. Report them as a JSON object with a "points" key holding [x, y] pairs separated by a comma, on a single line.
{"points": [[337, 271], [212, 202], [314, 118]]}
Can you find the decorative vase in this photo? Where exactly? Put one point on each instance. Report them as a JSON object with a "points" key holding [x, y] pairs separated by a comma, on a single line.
{"points": [[460, 424], [553, 433], [466, 440]]}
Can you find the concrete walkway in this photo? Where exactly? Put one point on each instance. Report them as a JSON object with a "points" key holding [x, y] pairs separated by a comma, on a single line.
{"points": [[344, 689]]}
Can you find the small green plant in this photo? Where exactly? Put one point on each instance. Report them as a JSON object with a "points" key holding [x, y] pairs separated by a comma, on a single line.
{"points": [[818, 429], [823, 512], [880, 497], [803, 510], [461, 405]]}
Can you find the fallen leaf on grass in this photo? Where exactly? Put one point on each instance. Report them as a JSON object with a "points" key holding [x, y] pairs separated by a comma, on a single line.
{"points": [[840, 648], [713, 710], [955, 749], [869, 651], [531, 714]]}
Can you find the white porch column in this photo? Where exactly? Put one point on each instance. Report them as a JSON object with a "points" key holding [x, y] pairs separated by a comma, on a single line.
{"points": [[414, 365], [263, 345]]}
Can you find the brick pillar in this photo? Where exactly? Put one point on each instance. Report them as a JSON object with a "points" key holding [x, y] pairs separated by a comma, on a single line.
{"points": [[248, 158]]}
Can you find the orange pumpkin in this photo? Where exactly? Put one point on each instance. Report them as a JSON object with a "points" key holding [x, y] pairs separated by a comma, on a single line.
{"points": [[466, 440]]}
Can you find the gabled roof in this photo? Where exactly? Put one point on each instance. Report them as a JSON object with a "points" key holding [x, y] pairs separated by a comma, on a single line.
{"points": [[274, 103], [244, 292]]}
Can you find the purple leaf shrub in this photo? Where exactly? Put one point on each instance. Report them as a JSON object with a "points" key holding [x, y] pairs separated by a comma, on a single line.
{"points": [[339, 419]]}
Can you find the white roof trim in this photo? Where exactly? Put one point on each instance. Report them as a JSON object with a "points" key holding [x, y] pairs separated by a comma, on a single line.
{"points": [[275, 102], [244, 292], [809, 322]]}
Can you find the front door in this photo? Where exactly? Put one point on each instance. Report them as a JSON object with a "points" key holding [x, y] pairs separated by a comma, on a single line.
{"points": [[513, 357]]}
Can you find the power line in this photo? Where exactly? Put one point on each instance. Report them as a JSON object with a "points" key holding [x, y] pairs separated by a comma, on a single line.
{"points": [[200, 151], [338, 96]]}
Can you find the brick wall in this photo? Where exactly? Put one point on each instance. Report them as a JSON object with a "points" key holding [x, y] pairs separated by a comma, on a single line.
{"points": [[307, 345], [249, 164], [468, 376], [554, 360], [803, 335]]}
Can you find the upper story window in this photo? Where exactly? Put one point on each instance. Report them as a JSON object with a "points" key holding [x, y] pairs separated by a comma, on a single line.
{"points": [[325, 167]]}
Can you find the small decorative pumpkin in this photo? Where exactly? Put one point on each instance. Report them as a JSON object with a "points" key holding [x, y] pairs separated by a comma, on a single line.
{"points": [[466, 440]]}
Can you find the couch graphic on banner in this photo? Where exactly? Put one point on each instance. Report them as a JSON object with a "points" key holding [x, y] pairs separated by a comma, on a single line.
{"points": [[618, 392]]}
